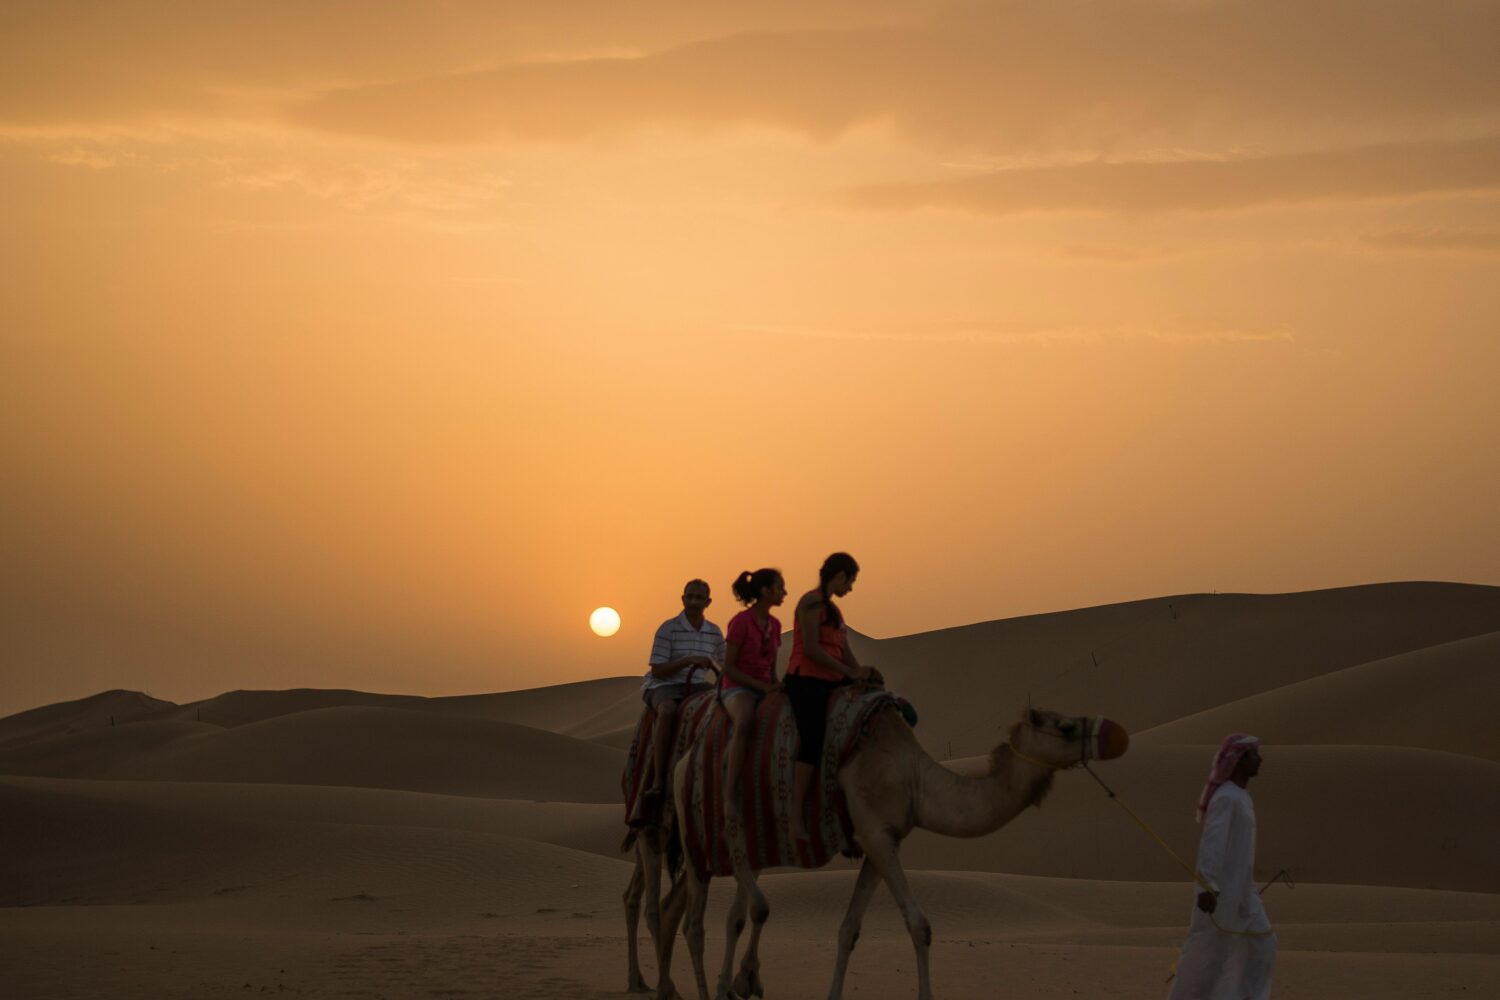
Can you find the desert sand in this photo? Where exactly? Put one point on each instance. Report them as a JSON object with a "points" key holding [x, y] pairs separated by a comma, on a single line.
{"points": [[346, 844]]}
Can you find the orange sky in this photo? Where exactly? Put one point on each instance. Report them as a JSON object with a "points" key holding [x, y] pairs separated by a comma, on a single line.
{"points": [[374, 344]]}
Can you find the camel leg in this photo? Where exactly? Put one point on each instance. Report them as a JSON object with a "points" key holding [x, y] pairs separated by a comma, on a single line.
{"points": [[634, 981], [672, 909], [747, 983], [864, 888], [734, 923], [686, 902], [697, 903], [881, 850], [759, 907], [648, 848]]}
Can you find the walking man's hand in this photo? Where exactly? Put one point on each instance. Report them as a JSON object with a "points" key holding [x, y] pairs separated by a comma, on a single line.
{"points": [[1207, 901]]}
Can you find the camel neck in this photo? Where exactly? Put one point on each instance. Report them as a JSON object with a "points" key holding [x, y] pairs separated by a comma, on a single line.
{"points": [[958, 806]]}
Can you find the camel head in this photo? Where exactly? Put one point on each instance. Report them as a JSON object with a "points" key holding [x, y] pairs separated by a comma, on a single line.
{"points": [[1064, 741]]}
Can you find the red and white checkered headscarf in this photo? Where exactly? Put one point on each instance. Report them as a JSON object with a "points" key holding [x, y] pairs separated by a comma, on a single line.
{"points": [[1235, 746]]}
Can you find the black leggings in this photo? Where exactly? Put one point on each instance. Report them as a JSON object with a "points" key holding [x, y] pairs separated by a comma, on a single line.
{"points": [[809, 700]]}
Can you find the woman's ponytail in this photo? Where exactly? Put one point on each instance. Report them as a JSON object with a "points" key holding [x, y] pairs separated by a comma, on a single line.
{"points": [[748, 586]]}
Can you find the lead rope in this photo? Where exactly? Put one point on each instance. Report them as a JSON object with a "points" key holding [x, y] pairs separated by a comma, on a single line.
{"points": [[1193, 873]]}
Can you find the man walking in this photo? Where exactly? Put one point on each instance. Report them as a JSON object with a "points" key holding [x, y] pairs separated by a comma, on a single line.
{"points": [[1230, 949], [684, 652]]}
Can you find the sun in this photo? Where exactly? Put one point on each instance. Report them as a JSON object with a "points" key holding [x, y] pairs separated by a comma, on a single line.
{"points": [[605, 621]]}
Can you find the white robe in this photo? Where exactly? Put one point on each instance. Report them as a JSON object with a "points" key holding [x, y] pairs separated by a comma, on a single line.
{"points": [[1228, 955]]}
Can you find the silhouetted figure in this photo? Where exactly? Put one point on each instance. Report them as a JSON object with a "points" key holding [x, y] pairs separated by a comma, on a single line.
{"points": [[1230, 950], [750, 648], [684, 654], [821, 661]]}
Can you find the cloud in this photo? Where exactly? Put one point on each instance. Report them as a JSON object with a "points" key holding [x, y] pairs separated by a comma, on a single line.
{"points": [[1011, 335], [1434, 241], [997, 76], [78, 157], [994, 76], [407, 184], [1387, 171], [361, 186], [129, 60]]}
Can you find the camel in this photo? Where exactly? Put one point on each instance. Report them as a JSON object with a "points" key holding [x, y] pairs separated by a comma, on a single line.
{"points": [[648, 843], [891, 785]]}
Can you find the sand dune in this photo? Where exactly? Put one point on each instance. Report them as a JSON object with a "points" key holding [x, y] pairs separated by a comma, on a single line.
{"points": [[559, 708], [1163, 659], [239, 708], [618, 717], [71, 849], [164, 843], [592, 827], [1442, 698], [363, 747], [100, 884], [555, 708], [339, 841], [1325, 816], [97, 711], [95, 752]]}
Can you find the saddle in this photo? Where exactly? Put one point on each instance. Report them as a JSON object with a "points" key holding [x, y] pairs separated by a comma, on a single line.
{"points": [[766, 782], [641, 812]]}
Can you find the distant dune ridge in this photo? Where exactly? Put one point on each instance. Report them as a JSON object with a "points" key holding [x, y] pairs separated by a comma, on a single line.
{"points": [[1163, 659], [1441, 697], [305, 810]]}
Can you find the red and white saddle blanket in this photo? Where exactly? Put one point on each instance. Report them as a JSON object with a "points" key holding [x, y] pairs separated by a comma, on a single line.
{"points": [[766, 782], [638, 811]]}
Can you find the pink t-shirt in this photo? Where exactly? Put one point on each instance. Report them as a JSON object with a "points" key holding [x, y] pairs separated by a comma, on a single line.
{"points": [[757, 647]]}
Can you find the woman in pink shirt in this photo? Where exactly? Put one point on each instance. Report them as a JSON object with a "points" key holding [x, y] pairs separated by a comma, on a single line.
{"points": [[750, 646]]}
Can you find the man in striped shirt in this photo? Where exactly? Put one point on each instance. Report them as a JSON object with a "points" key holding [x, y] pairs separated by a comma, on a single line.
{"points": [[684, 654]]}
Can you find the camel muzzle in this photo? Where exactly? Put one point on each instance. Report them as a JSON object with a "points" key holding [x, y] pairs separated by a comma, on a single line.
{"points": [[1110, 739]]}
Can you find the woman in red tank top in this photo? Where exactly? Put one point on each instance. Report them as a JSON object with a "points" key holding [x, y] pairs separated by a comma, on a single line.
{"points": [[821, 661]]}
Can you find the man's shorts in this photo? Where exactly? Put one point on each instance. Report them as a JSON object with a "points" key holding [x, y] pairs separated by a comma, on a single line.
{"points": [[658, 696]]}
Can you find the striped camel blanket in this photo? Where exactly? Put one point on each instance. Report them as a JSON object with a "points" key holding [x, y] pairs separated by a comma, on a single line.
{"points": [[766, 785], [639, 812]]}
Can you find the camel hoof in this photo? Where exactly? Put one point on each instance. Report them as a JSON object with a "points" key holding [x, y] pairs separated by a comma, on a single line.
{"points": [[747, 984], [638, 985]]}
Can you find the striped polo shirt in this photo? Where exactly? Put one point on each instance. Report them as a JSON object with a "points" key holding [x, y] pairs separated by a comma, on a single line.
{"points": [[676, 639]]}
